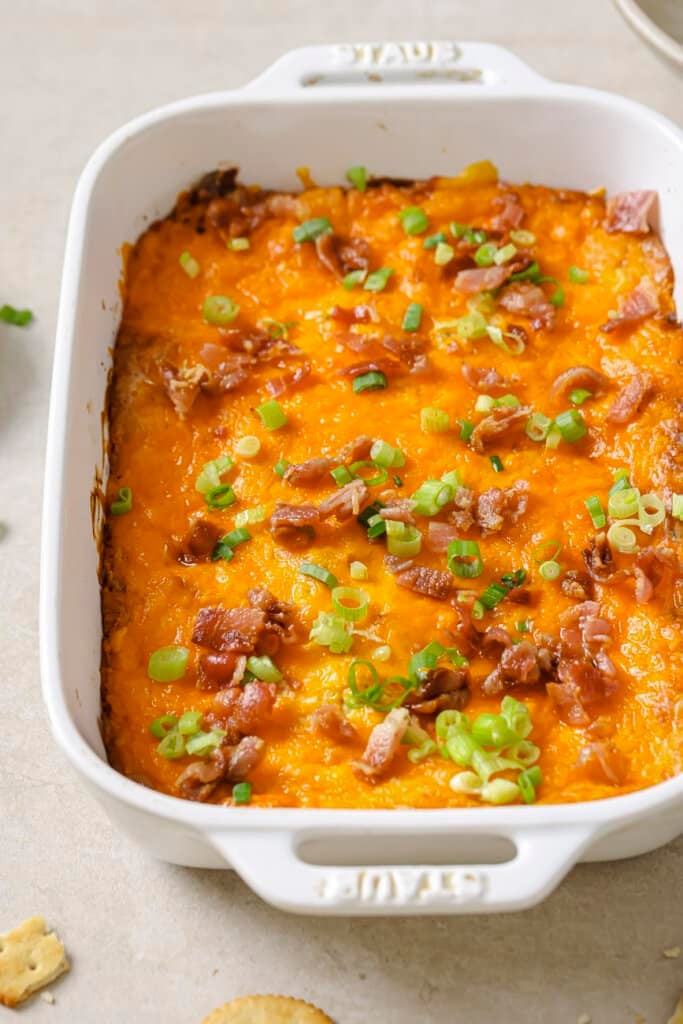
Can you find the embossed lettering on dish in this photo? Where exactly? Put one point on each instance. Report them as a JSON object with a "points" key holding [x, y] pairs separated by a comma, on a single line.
{"points": [[402, 886], [396, 54]]}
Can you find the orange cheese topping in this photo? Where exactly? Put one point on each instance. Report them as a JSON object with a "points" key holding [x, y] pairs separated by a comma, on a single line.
{"points": [[151, 598]]}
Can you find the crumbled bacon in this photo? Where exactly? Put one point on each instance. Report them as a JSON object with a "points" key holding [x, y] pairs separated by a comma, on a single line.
{"points": [[631, 212], [479, 279], [410, 351], [602, 762], [484, 378], [353, 314], [293, 525], [385, 366], [348, 501], [228, 629], [428, 582], [580, 377], [305, 474], [523, 298], [649, 567], [383, 744], [221, 668], [329, 720], [200, 542], [631, 398], [577, 585], [520, 665], [244, 709], [286, 382], [442, 689], [399, 511], [598, 559], [511, 212], [281, 617], [341, 256], [440, 535], [499, 421], [225, 764], [183, 385], [497, 508], [461, 513], [640, 303], [357, 449], [494, 641]]}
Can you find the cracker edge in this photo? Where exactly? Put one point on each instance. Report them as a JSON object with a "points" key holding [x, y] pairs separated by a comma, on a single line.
{"points": [[217, 1016], [35, 928]]}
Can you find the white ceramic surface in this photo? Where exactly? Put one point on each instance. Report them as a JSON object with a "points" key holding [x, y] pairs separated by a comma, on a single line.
{"points": [[659, 23], [327, 104]]}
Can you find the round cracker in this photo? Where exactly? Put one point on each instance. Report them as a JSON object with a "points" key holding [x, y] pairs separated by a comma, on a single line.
{"points": [[268, 1010]]}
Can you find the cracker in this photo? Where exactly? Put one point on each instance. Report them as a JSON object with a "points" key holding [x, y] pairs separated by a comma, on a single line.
{"points": [[268, 1010], [677, 1016], [30, 958]]}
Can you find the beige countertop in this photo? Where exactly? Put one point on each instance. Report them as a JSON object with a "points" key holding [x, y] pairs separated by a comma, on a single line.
{"points": [[154, 943]]}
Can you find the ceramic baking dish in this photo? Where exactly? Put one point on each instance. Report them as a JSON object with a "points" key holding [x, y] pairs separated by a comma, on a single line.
{"points": [[412, 110]]}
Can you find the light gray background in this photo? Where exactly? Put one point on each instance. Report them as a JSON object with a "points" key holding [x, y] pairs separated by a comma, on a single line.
{"points": [[153, 943]]}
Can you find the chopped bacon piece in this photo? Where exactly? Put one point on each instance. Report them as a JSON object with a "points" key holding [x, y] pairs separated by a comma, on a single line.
{"points": [[383, 744], [200, 542], [602, 762], [342, 256], [462, 512], [631, 212], [353, 314], [484, 378], [244, 758], [598, 560], [244, 709], [499, 421], [304, 474], [225, 764], [254, 342], [526, 299], [183, 385], [281, 618], [640, 303], [577, 585], [329, 720], [497, 508], [440, 535], [520, 665], [442, 689], [428, 582], [348, 501], [385, 366], [480, 279], [649, 567], [567, 699], [631, 398], [400, 511], [410, 351], [228, 629], [200, 778], [511, 212], [294, 524], [221, 668], [494, 641], [580, 377], [286, 382], [357, 449]]}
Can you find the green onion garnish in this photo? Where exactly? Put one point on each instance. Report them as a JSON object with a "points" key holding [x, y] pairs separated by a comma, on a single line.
{"points": [[224, 547], [484, 403], [377, 527], [486, 254], [372, 381], [220, 497], [499, 791], [350, 603], [172, 746], [414, 220], [311, 229], [522, 238], [453, 478], [496, 463], [167, 664], [190, 723], [358, 571], [537, 426], [431, 496], [523, 626], [571, 425], [249, 516], [412, 317], [384, 454], [162, 726], [466, 429], [377, 280], [492, 730], [358, 176], [212, 472], [272, 415], [547, 549], [248, 447], [528, 781], [577, 275], [402, 539], [549, 570], [202, 743], [369, 513], [238, 244], [597, 513], [281, 467], [531, 273], [579, 395], [464, 559], [241, 793], [330, 630], [189, 264], [557, 298], [472, 326], [622, 538], [443, 254], [264, 669], [434, 421], [353, 278], [517, 716], [372, 481], [16, 317], [623, 504], [378, 694], [319, 572], [279, 328], [219, 309], [677, 506], [124, 502], [648, 520], [621, 481], [341, 476], [432, 241], [493, 595]]}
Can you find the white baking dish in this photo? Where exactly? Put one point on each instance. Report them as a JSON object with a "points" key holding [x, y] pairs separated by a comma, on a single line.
{"points": [[402, 109]]}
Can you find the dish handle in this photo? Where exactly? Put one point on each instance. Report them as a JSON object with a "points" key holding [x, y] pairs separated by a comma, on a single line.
{"points": [[388, 64], [270, 863]]}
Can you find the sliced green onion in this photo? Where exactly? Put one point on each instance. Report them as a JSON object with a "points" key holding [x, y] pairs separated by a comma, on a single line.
{"points": [[211, 474], [281, 467], [238, 244], [427, 659], [414, 220], [358, 176], [384, 454], [190, 723], [523, 626], [248, 447], [264, 669], [549, 570], [404, 542], [493, 595], [412, 317], [443, 254], [272, 415], [530, 273], [677, 506], [497, 336], [557, 298], [485, 254], [623, 504], [220, 497], [311, 229], [219, 309], [397, 480], [431, 496], [382, 653], [432, 241], [492, 731], [341, 476], [204, 742], [499, 791], [124, 502], [524, 752], [466, 429], [621, 481], [224, 546], [472, 326], [484, 403], [547, 550], [163, 725], [537, 426], [167, 664], [468, 783], [372, 381], [374, 695], [350, 603], [597, 512], [358, 571], [517, 716], [434, 421], [279, 328], [622, 538], [330, 630], [571, 425], [372, 481], [189, 264], [513, 579], [579, 395], [553, 438], [249, 516], [528, 781], [461, 747], [377, 280], [16, 317], [451, 719], [577, 276], [319, 572], [370, 513], [417, 754], [241, 793], [353, 278], [522, 238], [496, 463], [172, 746], [377, 527], [453, 478], [464, 559], [648, 520], [505, 254]]}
